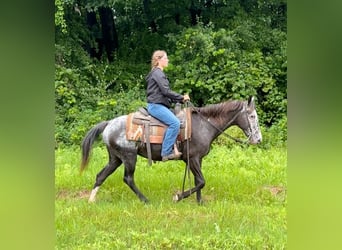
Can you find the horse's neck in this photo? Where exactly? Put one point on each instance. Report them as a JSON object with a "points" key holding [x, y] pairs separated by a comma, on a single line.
{"points": [[226, 119], [231, 119], [207, 126], [219, 124]]}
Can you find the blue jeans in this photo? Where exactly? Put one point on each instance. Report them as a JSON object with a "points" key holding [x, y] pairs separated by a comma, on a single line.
{"points": [[165, 115]]}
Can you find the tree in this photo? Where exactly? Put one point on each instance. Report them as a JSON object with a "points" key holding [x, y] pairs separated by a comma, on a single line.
{"points": [[218, 50], [109, 34]]}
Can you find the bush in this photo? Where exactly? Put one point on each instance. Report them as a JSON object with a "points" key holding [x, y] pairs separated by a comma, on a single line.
{"points": [[95, 93], [210, 65], [213, 65], [276, 135]]}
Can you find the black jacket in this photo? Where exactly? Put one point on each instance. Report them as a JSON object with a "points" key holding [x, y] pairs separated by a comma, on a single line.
{"points": [[158, 89]]}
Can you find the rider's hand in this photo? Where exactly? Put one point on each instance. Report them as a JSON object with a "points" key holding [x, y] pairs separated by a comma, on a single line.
{"points": [[186, 98]]}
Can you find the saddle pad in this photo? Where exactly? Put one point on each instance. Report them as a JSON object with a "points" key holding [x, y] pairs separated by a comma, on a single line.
{"points": [[139, 125]]}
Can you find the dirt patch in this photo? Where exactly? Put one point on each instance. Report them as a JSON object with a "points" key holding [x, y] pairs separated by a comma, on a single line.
{"points": [[274, 190], [69, 194]]}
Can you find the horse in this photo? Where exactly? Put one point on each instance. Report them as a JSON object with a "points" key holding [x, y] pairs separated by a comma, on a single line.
{"points": [[208, 123]]}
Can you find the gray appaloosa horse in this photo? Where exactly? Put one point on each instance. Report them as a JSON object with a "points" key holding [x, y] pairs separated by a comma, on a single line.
{"points": [[207, 124]]}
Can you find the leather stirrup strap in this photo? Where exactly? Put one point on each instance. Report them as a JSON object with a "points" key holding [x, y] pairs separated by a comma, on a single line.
{"points": [[148, 144]]}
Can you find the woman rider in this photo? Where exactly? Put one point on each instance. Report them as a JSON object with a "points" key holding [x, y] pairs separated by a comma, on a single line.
{"points": [[159, 99]]}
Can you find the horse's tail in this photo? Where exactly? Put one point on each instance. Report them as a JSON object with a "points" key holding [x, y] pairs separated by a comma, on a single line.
{"points": [[88, 142]]}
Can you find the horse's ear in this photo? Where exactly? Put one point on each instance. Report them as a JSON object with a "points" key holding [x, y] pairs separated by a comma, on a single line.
{"points": [[251, 104]]}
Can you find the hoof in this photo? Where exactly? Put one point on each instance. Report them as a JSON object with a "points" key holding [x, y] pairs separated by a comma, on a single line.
{"points": [[91, 200], [200, 203], [93, 195], [177, 197]]}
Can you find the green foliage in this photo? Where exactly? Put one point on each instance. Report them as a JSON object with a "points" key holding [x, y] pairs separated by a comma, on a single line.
{"points": [[236, 49], [59, 16], [216, 62], [87, 96], [276, 135]]}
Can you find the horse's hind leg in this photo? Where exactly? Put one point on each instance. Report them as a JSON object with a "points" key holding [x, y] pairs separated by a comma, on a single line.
{"points": [[113, 164], [130, 163]]}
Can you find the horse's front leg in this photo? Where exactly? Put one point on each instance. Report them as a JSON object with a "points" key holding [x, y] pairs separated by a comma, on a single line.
{"points": [[199, 196], [195, 167]]}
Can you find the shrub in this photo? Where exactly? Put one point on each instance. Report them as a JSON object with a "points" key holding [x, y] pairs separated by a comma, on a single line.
{"points": [[213, 65], [95, 93]]}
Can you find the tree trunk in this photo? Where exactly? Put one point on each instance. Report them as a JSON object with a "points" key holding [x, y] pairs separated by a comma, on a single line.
{"points": [[195, 13], [177, 18], [151, 23], [95, 46], [109, 33]]}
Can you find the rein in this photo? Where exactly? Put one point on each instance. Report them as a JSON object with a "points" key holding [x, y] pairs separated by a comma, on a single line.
{"points": [[187, 167]]}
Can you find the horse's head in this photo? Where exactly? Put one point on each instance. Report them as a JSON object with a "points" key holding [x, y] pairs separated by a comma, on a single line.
{"points": [[249, 123]]}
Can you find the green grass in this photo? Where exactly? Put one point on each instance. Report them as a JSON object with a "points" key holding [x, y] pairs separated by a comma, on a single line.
{"points": [[244, 208]]}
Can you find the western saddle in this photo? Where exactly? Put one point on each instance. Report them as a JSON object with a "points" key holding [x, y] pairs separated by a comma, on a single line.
{"points": [[142, 127]]}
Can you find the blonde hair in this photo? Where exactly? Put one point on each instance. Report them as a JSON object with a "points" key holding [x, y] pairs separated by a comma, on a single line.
{"points": [[156, 56]]}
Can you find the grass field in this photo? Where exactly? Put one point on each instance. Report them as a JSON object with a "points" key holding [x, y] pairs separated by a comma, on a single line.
{"points": [[244, 203]]}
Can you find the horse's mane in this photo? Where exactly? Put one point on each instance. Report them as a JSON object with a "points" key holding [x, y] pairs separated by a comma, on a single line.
{"points": [[215, 111]]}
